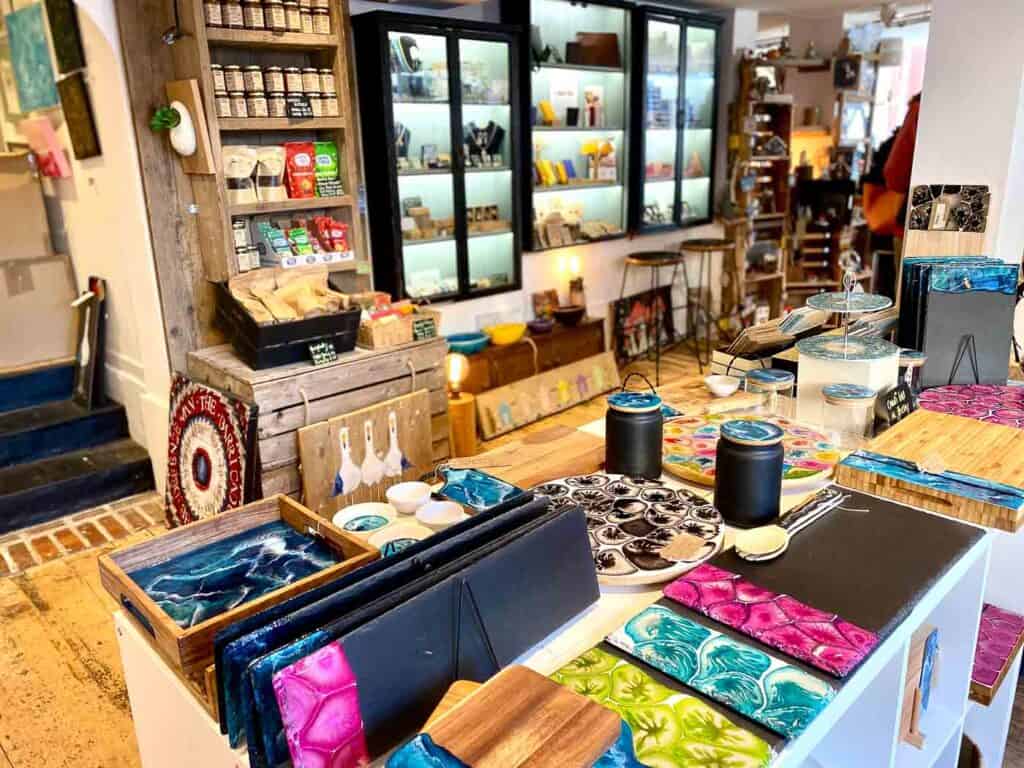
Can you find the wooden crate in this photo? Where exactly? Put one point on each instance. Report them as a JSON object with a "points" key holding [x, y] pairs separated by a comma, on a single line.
{"points": [[295, 396], [989, 452], [394, 331], [191, 650]]}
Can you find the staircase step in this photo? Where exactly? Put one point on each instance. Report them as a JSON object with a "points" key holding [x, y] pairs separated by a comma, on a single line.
{"points": [[39, 385], [29, 434], [43, 490]]}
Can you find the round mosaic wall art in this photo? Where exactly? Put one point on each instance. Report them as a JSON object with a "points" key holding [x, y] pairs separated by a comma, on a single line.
{"points": [[631, 520], [690, 446]]}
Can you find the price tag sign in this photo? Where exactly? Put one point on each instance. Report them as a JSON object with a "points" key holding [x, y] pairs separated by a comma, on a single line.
{"points": [[898, 403], [297, 107], [323, 353]]}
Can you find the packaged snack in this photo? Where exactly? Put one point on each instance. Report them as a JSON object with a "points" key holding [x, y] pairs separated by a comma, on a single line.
{"points": [[327, 182], [301, 174], [270, 174], [299, 238], [239, 164]]}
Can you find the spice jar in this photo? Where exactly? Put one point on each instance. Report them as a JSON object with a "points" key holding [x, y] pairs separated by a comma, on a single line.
{"points": [[233, 79], [213, 12], [277, 104], [252, 78], [327, 81], [223, 103], [252, 14], [292, 16], [256, 104], [232, 14], [307, 20], [217, 73], [310, 80], [330, 101], [293, 79], [238, 106], [316, 104], [273, 15], [322, 21]]}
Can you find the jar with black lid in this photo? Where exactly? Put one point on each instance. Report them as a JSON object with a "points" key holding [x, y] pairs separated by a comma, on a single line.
{"points": [[330, 101], [327, 81], [748, 472], [213, 13], [217, 73], [252, 78], [322, 21], [223, 103], [238, 106], [633, 433], [274, 16], [273, 79], [307, 20], [232, 13], [233, 79], [292, 16], [277, 104], [252, 14], [316, 103], [293, 80], [256, 104], [310, 80]]}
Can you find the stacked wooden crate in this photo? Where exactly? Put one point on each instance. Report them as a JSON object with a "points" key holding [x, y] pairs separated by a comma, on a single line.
{"points": [[294, 396]]}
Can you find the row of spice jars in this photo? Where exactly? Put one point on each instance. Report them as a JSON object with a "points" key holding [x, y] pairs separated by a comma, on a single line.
{"points": [[308, 16], [233, 77], [273, 104]]}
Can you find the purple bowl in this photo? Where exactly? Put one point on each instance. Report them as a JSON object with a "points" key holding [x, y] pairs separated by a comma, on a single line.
{"points": [[541, 325]]}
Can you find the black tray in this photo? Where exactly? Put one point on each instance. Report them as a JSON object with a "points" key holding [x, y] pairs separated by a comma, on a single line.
{"points": [[268, 346]]}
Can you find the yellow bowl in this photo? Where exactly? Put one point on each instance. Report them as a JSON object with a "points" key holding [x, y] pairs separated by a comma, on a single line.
{"points": [[505, 333]]}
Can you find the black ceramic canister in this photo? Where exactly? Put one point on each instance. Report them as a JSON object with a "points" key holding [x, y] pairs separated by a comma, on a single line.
{"points": [[748, 472], [633, 432]]}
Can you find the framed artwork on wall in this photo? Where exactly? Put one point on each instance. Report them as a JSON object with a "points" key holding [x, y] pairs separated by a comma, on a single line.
{"points": [[67, 40], [74, 99], [637, 322]]}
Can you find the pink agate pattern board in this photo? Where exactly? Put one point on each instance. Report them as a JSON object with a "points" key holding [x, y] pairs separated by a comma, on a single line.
{"points": [[319, 704], [998, 636], [820, 639]]}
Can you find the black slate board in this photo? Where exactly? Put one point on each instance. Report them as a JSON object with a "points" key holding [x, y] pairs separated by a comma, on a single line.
{"points": [[869, 560]]}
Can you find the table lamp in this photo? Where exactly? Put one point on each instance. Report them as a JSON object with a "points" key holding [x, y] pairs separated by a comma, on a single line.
{"points": [[461, 407]]}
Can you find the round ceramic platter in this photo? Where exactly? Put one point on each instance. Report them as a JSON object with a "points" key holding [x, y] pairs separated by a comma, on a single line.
{"points": [[690, 448], [394, 538], [634, 402], [364, 519], [630, 520], [857, 348], [841, 302]]}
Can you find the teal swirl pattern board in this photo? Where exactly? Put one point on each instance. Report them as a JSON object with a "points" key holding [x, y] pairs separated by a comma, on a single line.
{"points": [[762, 687]]}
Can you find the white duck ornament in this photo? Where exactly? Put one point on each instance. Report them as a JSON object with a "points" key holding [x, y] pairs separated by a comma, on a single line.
{"points": [[348, 477], [373, 467]]}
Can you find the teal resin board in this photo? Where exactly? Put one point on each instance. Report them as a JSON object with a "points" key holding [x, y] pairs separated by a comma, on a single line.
{"points": [[769, 691]]}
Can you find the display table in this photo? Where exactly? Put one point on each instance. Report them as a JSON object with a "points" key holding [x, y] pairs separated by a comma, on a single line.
{"points": [[860, 727]]}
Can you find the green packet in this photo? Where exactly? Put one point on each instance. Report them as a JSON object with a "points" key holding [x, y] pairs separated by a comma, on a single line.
{"points": [[325, 164], [299, 239]]}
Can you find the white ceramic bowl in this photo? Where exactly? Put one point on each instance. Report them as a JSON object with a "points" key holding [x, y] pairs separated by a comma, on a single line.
{"points": [[364, 519], [722, 386], [438, 515], [408, 497]]}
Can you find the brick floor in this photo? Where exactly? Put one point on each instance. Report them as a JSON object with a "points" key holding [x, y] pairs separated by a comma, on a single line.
{"points": [[92, 528]]}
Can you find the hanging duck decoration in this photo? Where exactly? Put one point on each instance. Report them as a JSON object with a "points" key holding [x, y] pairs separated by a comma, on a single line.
{"points": [[395, 462], [348, 476], [373, 468]]}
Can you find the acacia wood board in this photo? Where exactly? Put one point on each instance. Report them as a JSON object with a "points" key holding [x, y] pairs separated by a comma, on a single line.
{"points": [[990, 452], [690, 396], [521, 718]]}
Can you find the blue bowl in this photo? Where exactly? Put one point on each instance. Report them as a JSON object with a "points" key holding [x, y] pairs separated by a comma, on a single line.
{"points": [[467, 343]]}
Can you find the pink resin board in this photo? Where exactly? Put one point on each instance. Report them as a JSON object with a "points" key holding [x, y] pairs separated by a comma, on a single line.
{"points": [[690, 445], [1000, 636], [990, 403], [821, 639]]}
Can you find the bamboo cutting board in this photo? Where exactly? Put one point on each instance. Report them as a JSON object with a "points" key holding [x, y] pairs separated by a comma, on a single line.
{"points": [[521, 718], [940, 442]]}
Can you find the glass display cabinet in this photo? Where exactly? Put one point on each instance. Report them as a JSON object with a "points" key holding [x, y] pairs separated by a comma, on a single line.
{"points": [[440, 147], [576, 88], [676, 94]]}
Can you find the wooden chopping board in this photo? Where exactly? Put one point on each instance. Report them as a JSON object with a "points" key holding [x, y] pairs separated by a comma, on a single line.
{"points": [[520, 718], [990, 452], [551, 453], [690, 396]]}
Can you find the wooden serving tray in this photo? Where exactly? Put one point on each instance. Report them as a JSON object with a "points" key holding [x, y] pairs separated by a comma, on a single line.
{"points": [[989, 453], [190, 650]]}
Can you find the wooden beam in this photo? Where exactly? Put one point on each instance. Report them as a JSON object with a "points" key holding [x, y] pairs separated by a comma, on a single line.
{"points": [[186, 297]]}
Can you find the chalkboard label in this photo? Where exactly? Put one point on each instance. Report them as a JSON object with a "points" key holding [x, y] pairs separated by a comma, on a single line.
{"points": [[898, 403], [297, 106]]}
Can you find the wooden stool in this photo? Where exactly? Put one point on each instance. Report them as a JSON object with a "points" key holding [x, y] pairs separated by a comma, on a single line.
{"points": [[705, 247]]}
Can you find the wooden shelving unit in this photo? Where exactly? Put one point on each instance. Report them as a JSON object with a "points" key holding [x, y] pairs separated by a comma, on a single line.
{"points": [[195, 51]]}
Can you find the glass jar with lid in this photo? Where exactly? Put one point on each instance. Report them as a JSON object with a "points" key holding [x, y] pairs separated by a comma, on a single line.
{"points": [[252, 78], [321, 21], [293, 79], [310, 80], [327, 81], [274, 16], [217, 73], [252, 14], [307, 20], [223, 103], [238, 106], [233, 79], [256, 104], [316, 103], [330, 104], [849, 414], [776, 386], [273, 79], [292, 16], [213, 13], [232, 14], [277, 104]]}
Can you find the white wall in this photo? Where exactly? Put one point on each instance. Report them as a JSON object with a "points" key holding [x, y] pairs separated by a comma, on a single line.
{"points": [[970, 129], [107, 235]]}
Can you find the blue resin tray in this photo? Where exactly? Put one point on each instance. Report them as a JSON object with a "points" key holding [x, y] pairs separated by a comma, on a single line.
{"points": [[859, 348]]}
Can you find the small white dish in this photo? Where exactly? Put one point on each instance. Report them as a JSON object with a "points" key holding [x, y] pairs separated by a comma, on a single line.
{"points": [[399, 536], [365, 519], [438, 515], [408, 497], [721, 385]]}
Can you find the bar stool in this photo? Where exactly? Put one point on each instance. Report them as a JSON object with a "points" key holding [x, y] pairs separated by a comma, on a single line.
{"points": [[655, 260], [706, 247]]}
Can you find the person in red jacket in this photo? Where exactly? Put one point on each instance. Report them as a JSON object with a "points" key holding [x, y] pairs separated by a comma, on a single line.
{"points": [[901, 157]]}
